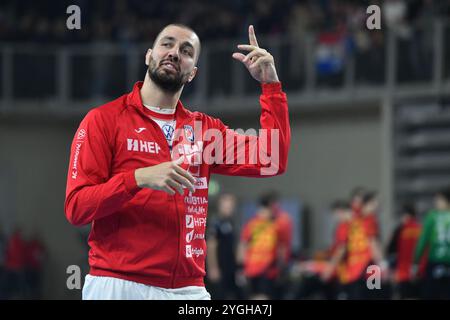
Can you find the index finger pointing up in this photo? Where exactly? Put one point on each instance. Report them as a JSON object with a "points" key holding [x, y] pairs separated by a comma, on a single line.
{"points": [[252, 36]]}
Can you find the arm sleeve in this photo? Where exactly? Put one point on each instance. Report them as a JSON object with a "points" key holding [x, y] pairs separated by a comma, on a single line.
{"points": [[212, 229], [341, 235], [285, 237], [371, 225], [246, 233], [285, 232], [91, 192], [262, 155], [424, 238]]}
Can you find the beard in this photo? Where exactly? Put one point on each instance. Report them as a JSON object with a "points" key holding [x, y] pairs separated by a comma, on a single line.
{"points": [[169, 82]]}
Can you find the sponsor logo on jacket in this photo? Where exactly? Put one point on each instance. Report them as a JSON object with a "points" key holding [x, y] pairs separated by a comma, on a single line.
{"points": [[190, 251], [143, 146], [191, 235], [189, 133], [200, 183], [75, 160]]}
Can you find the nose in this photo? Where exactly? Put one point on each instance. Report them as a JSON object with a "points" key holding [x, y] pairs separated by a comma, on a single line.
{"points": [[173, 54]]}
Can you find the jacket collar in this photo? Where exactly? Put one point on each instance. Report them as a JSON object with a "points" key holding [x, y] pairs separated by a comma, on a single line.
{"points": [[134, 100]]}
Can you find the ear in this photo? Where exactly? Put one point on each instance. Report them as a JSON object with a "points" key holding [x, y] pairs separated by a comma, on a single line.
{"points": [[147, 56], [193, 73]]}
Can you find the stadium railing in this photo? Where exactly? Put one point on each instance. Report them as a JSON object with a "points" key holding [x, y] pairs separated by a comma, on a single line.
{"points": [[316, 71]]}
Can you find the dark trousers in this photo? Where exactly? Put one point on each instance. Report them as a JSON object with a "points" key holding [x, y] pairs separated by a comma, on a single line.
{"points": [[436, 283]]}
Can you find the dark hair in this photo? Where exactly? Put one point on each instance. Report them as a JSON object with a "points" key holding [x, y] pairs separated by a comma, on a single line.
{"points": [[409, 209], [445, 193], [358, 191], [340, 205], [269, 198], [369, 196], [179, 25], [183, 26]]}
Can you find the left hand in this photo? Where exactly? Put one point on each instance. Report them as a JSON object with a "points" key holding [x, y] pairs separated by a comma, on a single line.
{"points": [[214, 275], [327, 274], [258, 61]]}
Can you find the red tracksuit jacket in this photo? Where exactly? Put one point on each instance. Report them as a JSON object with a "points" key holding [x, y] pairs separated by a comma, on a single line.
{"points": [[145, 235]]}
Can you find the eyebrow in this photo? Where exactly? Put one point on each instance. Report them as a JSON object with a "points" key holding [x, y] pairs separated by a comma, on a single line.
{"points": [[186, 43]]}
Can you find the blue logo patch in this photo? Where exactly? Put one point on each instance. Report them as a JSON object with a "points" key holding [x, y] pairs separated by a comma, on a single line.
{"points": [[189, 133], [168, 131]]}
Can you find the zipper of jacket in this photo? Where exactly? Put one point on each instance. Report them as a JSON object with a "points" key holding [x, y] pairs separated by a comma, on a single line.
{"points": [[169, 149]]}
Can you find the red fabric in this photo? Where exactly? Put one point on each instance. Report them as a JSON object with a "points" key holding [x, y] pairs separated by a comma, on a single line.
{"points": [[356, 209], [358, 251], [330, 38], [341, 233], [406, 245], [35, 253], [261, 236], [283, 224], [15, 253], [372, 226], [264, 238], [340, 239], [340, 236], [144, 235]]}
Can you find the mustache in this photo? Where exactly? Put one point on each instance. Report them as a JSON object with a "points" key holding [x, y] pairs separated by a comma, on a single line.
{"points": [[171, 62]]}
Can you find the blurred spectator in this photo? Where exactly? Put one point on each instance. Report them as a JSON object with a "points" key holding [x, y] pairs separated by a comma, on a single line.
{"points": [[342, 45], [15, 264], [356, 200], [395, 13], [370, 206], [342, 214], [221, 257], [262, 250], [329, 57], [370, 214], [422, 17], [283, 223], [326, 280], [400, 253], [139, 20], [357, 251], [436, 237], [369, 211], [35, 254]]}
